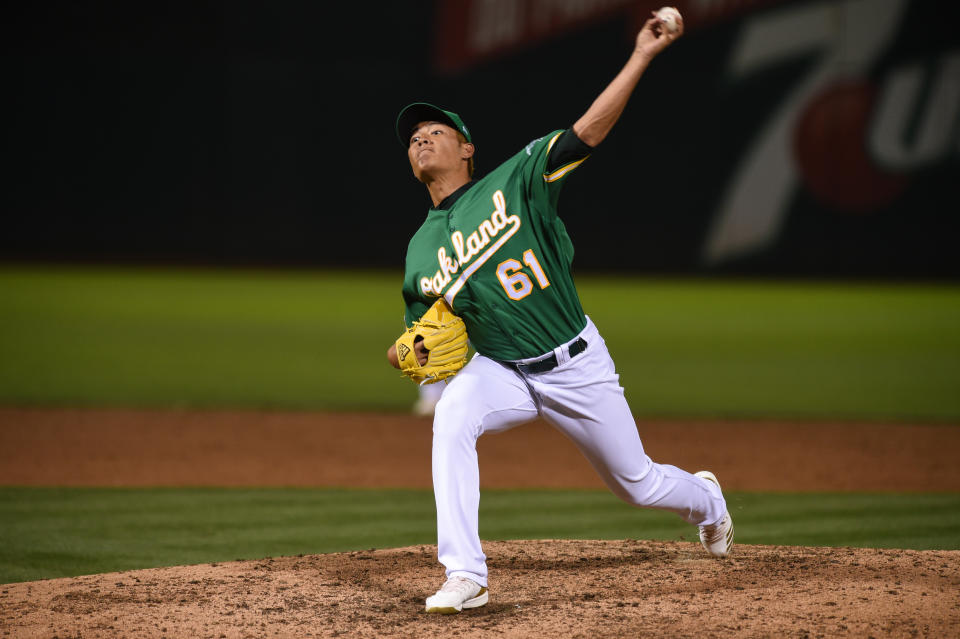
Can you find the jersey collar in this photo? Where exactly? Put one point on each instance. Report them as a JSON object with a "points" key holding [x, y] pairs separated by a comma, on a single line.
{"points": [[449, 201]]}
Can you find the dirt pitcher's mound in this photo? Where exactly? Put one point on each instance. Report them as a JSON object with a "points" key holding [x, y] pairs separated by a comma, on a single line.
{"points": [[538, 589]]}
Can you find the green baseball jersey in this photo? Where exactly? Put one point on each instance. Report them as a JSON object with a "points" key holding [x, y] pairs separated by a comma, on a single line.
{"points": [[501, 257]]}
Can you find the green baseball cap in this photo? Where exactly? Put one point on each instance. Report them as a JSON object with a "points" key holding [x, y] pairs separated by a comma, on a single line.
{"points": [[414, 114]]}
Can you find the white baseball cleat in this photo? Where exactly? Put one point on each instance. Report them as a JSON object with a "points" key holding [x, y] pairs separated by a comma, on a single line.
{"points": [[716, 538], [455, 595]]}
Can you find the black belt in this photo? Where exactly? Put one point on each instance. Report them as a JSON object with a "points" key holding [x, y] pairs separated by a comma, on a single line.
{"points": [[548, 363]]}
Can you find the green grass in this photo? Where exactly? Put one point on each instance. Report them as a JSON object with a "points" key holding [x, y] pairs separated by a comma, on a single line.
{"points": [[316, 340], [784, 349], [199, 338], [59, 532]]}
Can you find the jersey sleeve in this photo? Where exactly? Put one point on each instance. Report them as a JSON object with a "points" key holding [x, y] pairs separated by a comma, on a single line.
{"points": [[414, 307], [565, 154], [551, 159]]}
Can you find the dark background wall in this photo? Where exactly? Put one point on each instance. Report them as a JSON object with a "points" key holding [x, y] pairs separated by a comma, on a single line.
{"points": [[788, 138]]}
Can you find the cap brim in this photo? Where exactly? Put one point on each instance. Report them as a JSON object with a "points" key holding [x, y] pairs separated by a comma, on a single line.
{"points": [[414, 114]]}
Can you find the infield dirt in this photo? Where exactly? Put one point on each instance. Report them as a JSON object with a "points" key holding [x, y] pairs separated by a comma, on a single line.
{"points": [[543, 588]]}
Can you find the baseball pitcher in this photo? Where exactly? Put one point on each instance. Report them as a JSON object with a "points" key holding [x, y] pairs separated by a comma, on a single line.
{"points": [[491, 263]]}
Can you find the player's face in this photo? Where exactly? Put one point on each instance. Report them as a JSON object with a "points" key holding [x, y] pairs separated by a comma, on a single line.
{"points": [[434, 148]]}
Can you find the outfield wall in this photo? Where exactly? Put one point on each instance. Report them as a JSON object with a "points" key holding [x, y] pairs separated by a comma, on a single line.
{"points": [[810, 138]]}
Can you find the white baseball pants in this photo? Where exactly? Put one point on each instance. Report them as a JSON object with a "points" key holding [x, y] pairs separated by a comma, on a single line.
{"points": [[583, 399]]}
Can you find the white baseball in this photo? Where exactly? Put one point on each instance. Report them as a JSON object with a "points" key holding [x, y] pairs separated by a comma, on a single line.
{"points": [[669, 16]]}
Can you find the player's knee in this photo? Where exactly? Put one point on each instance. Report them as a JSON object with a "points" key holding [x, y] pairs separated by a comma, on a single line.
{"points": [[638, 486]]}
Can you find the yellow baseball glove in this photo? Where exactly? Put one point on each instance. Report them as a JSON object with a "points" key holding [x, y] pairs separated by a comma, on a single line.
{"points": [[444, 337]]}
